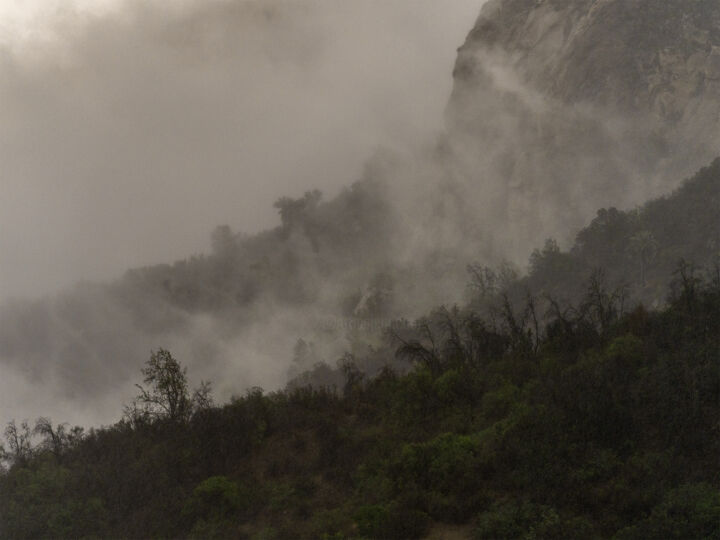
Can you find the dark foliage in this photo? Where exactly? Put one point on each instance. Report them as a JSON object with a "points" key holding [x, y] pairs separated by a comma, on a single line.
{"points": [[594, 424], [579, 401]]}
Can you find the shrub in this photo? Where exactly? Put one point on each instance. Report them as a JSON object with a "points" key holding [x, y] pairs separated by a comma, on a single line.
{"points": [[690, 511], [214, 506], [521, 519]]}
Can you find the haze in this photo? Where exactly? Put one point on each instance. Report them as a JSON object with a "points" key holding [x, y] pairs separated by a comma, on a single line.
{"points": [[131, 129]]}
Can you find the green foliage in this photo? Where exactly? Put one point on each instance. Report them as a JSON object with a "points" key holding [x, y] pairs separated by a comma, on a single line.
{"points": [[372, 520], [509, 520], [391, 521], [603, 424], [446, 470], [46, 504], [690, 511], [215, 499]]}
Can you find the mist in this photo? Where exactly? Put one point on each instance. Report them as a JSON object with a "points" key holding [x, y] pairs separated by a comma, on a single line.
{"points": [[128, 135], [140, 130], [359, 268], [130, 132]]}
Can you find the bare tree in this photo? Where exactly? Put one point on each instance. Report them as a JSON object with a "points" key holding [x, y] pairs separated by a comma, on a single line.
{"points": [[603, 307], [59, 438], [19, 445], [166, 394], [645, 247], [417, 352]]}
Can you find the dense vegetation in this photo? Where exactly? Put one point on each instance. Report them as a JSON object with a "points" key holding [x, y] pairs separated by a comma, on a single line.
{"points": [[640, 248], [591, 422], [345, 257], [577, 398], [550, 405], [635, 252]]}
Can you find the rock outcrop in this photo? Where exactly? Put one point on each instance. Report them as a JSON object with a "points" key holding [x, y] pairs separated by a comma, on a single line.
{"points": [[633, 55], [562, 106]]}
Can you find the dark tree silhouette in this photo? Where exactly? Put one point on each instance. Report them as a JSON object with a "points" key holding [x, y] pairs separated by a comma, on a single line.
{"points": [[167, 394]]}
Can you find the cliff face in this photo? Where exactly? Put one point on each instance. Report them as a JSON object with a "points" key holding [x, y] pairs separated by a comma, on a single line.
{"points": [[567, 105], [635, 55]]}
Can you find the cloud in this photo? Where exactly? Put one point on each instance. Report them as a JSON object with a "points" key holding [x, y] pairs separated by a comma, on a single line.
{"points": [[127, 135], [140, 131]]}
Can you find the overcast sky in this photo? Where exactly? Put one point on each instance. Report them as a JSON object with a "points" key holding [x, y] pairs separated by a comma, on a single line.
{"points": [[129, 130]]}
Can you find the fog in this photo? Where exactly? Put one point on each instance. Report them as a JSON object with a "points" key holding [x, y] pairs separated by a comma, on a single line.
{"points": [[129, 132], [129, 135]]}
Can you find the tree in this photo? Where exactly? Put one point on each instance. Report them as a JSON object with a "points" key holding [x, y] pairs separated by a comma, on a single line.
{"points": [[223, 241], [645, 247], [297, 214], [602, 306], [59, 438], [292, 211], [167, 394], [19, 448]]}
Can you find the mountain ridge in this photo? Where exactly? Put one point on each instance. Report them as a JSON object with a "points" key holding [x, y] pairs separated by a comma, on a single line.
{"points": [[395, 244]]}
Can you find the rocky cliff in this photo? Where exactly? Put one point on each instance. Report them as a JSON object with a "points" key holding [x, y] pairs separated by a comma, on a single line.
{"points": [[561, 106], [634, 55]]}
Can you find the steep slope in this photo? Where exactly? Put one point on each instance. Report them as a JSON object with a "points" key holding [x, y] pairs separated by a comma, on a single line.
{"points": [[601, 428], [559, 108], [640, 255], [640, 250], [632, 55], [563, 106]]}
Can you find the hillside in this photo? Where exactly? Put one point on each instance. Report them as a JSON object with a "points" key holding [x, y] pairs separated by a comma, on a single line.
{"points": [[639, 249], [528, 153], [635, 254], [582, 104], [215, 309], [546, 405], [599, 423], [511, 331]]}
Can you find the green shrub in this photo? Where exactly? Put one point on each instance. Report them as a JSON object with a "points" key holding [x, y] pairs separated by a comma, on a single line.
{"points": [[371, 520], [395, 520], [520, 519], [690, 511], [214, 507], [445, 471]]}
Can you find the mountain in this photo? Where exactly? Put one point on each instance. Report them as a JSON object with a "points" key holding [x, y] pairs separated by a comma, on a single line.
{"points": [[560, 107], [636, 56], [544, 402], [592, 422]]}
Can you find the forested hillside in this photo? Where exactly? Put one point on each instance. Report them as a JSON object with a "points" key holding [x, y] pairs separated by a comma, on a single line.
{"points": [[557, 108], [604, 425], [638, 249], [635, 254], [518, 415], [426, 373]]}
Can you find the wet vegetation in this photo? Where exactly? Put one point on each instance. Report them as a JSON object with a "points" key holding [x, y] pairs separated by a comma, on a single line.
{"points": [[591, 421]]}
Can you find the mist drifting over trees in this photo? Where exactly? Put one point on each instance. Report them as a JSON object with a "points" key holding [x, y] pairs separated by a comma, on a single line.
{"points": [[434, 292]]}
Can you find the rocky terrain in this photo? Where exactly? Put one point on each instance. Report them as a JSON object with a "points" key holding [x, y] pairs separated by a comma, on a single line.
{"points": [[635, 56], [584, 103]]}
